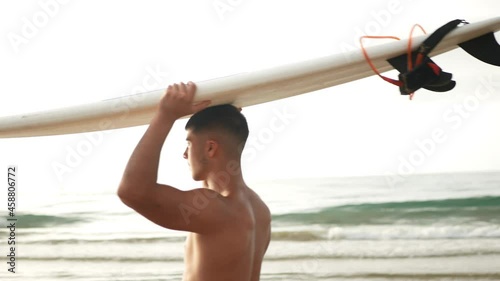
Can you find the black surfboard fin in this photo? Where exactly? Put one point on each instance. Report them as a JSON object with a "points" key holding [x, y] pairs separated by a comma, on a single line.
{"points": [[423, 76], [426, 73], [418, 71], [484, 48]]}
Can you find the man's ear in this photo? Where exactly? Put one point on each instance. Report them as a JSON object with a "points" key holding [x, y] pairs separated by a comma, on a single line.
{"points": [[211, 148]]}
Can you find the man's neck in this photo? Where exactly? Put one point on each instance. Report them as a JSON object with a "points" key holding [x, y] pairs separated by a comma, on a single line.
{"points": [[226, 179]]}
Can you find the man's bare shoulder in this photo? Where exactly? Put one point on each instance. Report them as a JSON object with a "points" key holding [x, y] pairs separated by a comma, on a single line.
{"points": [[260, 209], [256, 199]]}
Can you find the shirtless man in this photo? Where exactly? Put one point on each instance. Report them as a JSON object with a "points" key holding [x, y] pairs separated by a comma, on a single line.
{"points": [[229, 224]]}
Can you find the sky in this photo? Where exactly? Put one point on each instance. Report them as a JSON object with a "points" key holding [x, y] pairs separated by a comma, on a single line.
{"points": [[61, 53]]}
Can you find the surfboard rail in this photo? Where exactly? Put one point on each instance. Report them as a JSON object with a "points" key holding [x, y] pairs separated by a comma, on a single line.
{"points": [[242, 89]]}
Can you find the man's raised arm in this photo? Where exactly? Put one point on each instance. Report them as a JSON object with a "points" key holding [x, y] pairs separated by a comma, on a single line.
{"points": [[139, 188]]}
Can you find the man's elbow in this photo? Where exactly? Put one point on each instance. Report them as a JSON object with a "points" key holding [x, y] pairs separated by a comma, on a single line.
{"points": [[126, 194], [133, 196], [120, 192]]}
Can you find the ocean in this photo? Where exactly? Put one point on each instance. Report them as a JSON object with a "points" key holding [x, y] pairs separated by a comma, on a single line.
{"points": [[425, 227]]}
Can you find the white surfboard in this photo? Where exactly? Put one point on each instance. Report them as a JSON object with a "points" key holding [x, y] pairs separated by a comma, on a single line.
{"points": [[243, 89]]}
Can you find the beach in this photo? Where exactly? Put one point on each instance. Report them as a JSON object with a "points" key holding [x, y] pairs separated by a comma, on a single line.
{"points": [[428, 227]]}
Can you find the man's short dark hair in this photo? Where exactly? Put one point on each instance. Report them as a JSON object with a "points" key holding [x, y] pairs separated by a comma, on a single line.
{"points": [[223, 117]]}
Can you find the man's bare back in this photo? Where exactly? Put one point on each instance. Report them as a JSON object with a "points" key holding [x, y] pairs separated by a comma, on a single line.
{"points": [[235, 251], [230, 230]]}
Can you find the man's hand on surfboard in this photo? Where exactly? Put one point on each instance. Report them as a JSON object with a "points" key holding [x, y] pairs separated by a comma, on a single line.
{"points": [[178, 101]]}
